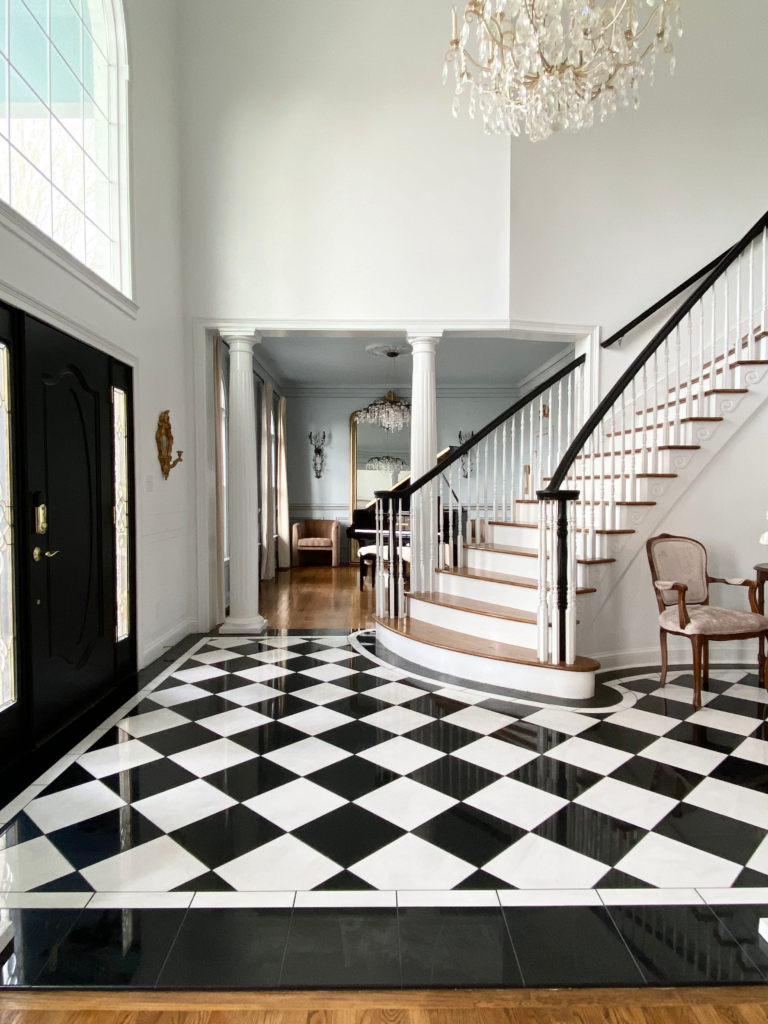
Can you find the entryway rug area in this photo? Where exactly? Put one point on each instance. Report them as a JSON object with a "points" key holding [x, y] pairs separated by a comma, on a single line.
{"points": [[286, 811]]}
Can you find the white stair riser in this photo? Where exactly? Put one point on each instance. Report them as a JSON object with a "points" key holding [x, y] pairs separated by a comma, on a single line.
{"points": [[646, 488], [486, 627], [663, 461], [514, 536], [500, 561], [505, 594], [748, 376]]}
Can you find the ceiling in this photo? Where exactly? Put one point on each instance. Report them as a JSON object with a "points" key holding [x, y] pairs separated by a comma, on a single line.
{"points": [[308, 359]]}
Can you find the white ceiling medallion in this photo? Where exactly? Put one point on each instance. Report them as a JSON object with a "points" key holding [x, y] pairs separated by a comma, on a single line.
{"points": [[543, 66], [392, 351]]}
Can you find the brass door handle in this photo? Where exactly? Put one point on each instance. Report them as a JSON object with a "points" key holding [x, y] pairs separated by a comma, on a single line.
{"points": [[38, 554]]}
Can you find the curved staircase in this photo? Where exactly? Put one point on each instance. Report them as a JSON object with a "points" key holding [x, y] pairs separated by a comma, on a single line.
{"points": [[500, 571]]}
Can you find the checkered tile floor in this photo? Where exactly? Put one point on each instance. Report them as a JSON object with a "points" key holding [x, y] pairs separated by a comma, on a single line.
{"points": [[295, 769]]}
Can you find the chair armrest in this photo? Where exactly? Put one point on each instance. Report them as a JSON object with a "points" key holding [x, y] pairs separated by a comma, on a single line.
{"points": [[299, 530], [738, 582], [681, 589]]}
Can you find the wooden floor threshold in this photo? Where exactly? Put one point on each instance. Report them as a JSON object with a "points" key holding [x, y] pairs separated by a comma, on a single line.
{"points": [[462, 643]]}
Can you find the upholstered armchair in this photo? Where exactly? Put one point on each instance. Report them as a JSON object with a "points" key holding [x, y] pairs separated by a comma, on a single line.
{"points": [[680, 578], [316, 535]]}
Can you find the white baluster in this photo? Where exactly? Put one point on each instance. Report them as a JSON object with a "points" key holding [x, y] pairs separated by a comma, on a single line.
{"points": [[421, 576], [570, 622], [550, 437], [633, 444], [391, 556], [737, 339], [560, 418], [689, 385], [655, 449], [553, 573], [713, 361], [433, 538], [644, 462], [701, 355], [612, 489], [592, 536], [531, 477], [504, 472], [751, 299], [764, 314], [678, 396], [726, 383], [512, 471], [400, 567], [539, 474], [451, 559], [665, 409], [459, 524], [495, 472], [622, 439]]}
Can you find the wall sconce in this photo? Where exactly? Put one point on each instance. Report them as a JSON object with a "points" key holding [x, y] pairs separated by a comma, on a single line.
{"points": [[318, 459], [164, 439], [467, 462]]}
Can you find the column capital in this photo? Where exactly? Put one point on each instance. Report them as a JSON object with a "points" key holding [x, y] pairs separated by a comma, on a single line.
{"points": [[423, 342], [242, 342]]}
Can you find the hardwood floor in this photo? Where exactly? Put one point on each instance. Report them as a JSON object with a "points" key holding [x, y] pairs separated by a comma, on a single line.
{"points": [[512, 1006], [317, 597]]}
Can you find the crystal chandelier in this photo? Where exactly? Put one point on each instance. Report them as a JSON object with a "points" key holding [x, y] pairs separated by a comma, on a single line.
{"points": [[387, 463], [390, 413], [542, 66]]}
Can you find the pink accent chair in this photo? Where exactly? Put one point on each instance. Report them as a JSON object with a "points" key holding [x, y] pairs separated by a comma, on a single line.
{"points": [[316, 535]]}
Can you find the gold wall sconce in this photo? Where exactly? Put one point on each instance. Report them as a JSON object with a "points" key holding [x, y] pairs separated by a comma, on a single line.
{"points": [[164, 438]]}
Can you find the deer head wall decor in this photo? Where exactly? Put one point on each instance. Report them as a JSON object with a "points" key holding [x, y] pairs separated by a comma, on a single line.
{"points": [[318, 459]]}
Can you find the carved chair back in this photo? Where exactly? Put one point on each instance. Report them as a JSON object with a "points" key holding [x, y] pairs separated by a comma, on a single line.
{"points": [[678, 560]]}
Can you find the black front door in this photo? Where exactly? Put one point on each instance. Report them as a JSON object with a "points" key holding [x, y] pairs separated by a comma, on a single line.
{"points": [[67, 529]]}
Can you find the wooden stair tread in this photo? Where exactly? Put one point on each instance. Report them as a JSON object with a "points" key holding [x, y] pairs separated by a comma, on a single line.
{"points": [[501, 577], [501, 522], [505, 549], [437, 636], [468, 604], [639, 451]]}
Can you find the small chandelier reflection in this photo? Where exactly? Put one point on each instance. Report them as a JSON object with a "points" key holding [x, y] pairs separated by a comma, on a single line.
{"points": [[390, 413], [386, 463], [543, 66]]}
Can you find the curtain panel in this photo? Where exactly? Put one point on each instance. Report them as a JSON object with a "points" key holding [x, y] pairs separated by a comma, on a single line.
{"points": [[267, 487], [283, 515]]}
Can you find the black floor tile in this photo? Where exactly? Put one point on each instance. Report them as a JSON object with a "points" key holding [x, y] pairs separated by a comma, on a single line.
{"points": [[19, 830], [103, 836], [570, 946], [181, 737], [676, 783], [354, 778], [75, 775], [683, 946], [451, 947], [73, 882], [250, 778], [111, 737], [741, 772], [668, 708], [148, 780], [266, 738], [702, 736], [556, 777], [454, 777], [620, 738], [357, 705], [222, 837], [344, 880], [714, 833], [342, 949], [442, 736], [348, 834], [616, 879], [595, 835], [209, 882], [750, 878], [107, 948], [741, 924], [355, 736], [194, 710], [745, 708], [228, 949], [481, 880], [470, 834], [38, 936]]}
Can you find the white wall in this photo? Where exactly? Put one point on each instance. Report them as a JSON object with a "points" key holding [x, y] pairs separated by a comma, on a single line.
{"points": [[323, 173], [153, 341], [606, 221]]}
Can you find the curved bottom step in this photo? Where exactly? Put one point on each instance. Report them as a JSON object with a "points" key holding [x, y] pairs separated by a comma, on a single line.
{"points": [[485, 661]]}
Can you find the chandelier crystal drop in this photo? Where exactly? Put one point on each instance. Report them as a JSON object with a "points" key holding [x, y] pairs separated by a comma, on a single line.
{"points": [[542, 66], [387, 463], [390, 413]]}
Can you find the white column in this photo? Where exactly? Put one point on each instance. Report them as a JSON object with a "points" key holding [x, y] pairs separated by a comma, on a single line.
{"points": [[243, 483], [423, 449]]}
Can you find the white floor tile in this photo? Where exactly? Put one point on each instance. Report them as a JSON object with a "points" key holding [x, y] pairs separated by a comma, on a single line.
{"points": [[734, 896], [56, 770], [18, 803], [517, 803], [140, 900], [282, 641], [44, 900], [386, 672], [199, 674], [341, 898], [212, 757], [307, 756], [406, 803], [759, 859], [479, 720], [739, 802], [639, 807], [333, 655], [183, 805], [176, 695], [398, 720], [254, 693], [69, 806], [447, 898], [118, 758], [724, 720], [595, 757], [294, 804], [215, 657], [157, 866], [495, 755], [264, 673], [650, 897], [536, 863], [274, 655], [395, 693], [231, 642], [230, 723], [562, 721], [401, 755], [683, 755], [28, 865], [461, 696], [549, 898], [152, 722], [323, 693], [332, 641], [412, 863], [743, 691], [316, 720], [328, 673], [644, 721], [682, 694], [237, 900], [752, 750], [279, 865], [669, 864]]}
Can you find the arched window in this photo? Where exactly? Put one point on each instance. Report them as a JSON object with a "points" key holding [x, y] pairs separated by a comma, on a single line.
{"points": [[63, 153]]}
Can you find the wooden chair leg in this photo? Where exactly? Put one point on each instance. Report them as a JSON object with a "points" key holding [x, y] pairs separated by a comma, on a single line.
{"points": [[765, 668], [698, 645], [664, 660], [706, 663], [362, 573]]}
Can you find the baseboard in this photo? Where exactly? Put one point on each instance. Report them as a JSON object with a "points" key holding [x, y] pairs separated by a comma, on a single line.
{"points": [[720, 653], [155, 648]]}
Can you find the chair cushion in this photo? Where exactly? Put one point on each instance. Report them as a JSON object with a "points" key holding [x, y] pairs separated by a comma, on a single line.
{"points": [[706, 619], [315, 542], [370, 552]]}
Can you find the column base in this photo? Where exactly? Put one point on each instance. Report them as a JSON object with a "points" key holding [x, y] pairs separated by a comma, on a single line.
{"points": [[257, 624]]}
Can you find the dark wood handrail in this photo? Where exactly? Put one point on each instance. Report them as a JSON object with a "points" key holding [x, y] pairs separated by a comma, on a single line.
{"points": [[653, 345], [465, 448], [662, 302]]}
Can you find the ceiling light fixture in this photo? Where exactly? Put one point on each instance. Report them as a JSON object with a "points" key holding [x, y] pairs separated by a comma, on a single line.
{"points": [[390, 413], [387, 463], [390, 351], [543, 66]]}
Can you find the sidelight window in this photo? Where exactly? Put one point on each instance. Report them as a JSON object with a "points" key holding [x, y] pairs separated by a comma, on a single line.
{"points": [[122, 581], [7, 617]]}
